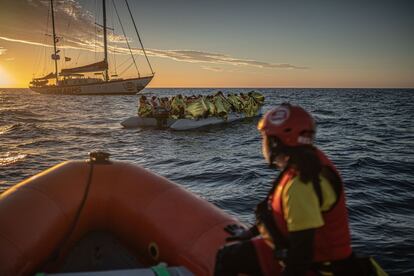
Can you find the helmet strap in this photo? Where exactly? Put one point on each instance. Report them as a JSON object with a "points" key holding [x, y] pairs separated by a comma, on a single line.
{"points": [[272, 160], [276, 148]]}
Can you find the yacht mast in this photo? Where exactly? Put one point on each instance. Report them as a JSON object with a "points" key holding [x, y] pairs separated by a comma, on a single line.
{"points": [[105, 40], [55, 56]]}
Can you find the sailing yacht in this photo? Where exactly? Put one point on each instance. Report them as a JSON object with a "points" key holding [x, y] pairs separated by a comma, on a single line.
{"points": [[72, 81]]}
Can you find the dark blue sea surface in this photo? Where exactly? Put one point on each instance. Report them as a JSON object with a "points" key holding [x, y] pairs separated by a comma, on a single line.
{"points": [[368, 133]]}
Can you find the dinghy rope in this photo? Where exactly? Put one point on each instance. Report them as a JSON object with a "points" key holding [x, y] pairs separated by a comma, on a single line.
{"points": [[98, 157]]}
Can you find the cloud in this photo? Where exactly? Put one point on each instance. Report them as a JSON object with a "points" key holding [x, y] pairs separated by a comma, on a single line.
{"points": [[191, 56], [206, 57], [212, 68], [44, 44], [77, 30], [73, 21], [10, 59], [2, 50]]}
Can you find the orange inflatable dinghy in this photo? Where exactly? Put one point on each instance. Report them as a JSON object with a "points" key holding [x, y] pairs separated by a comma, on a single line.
{"points": [[106, 215]]}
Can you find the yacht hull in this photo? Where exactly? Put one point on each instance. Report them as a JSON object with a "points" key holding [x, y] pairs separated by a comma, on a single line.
{"points": [[115, 87]]}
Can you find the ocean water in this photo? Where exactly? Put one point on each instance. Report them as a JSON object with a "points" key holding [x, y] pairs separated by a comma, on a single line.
{"points": [[368, 133]]}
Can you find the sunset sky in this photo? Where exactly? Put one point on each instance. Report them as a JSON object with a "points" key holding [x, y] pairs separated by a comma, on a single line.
{"points": [[220, 43]]}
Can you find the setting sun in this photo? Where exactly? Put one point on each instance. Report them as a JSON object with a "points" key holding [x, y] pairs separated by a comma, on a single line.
{"points": [[5, 79]]}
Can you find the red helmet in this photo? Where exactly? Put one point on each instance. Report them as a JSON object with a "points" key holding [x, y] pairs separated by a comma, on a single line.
{"points": [[292, 125]]}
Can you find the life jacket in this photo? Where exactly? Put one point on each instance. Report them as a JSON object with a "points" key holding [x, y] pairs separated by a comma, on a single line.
{"points": [[228, 104], [250, 107], [332, 240], [233, 99], [221, 110], [197, 108], [211, 107], [177, 106], [258, 97], [144, 109], [245, 105]]}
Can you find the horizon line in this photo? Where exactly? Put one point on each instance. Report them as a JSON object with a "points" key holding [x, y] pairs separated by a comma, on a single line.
{"points": [[248, 87]]}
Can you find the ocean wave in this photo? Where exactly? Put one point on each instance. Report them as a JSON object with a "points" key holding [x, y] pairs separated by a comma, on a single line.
{"points": [[10, 158], [21, 111], [367, 162], [208, 177], [43, 142], [8, 128], [27, 131]]}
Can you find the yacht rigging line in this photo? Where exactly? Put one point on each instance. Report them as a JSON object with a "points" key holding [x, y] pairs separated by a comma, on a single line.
{"points": [[68, 26], [95, 26], [115, 72], [129, 66], [139, 37], [42, 56], [124, 62], [126, 39]]}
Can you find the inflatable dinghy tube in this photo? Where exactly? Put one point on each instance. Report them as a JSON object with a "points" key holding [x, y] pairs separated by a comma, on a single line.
{"points": [[102, 215]]}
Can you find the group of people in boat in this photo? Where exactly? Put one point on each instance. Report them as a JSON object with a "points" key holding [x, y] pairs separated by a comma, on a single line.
{"points": [[201, 106]]}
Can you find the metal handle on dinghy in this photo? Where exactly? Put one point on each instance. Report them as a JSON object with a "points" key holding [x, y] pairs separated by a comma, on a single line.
{"points": [[99, 157]]}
